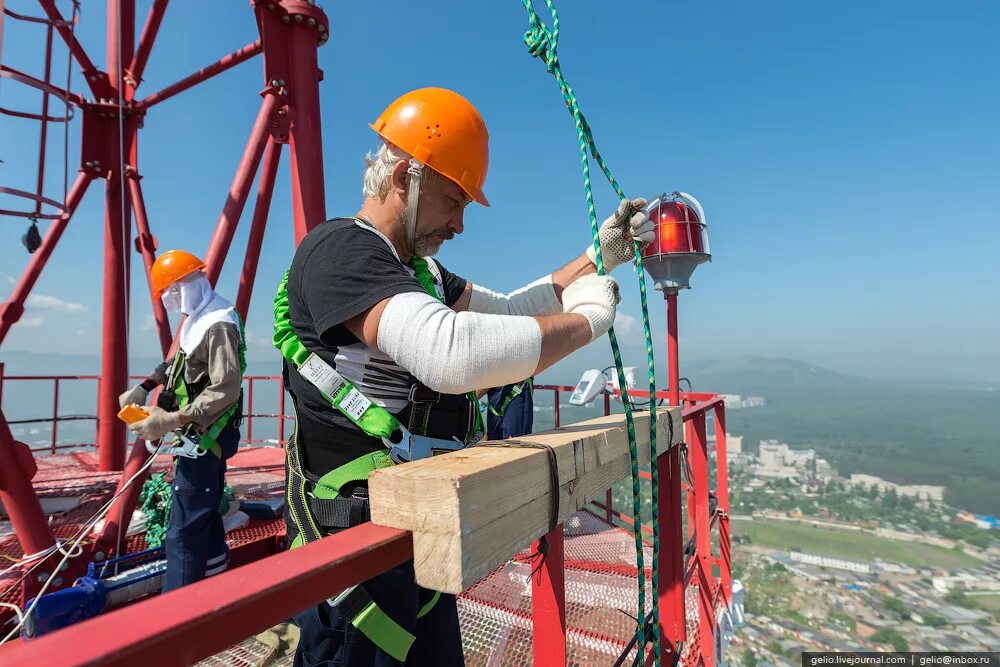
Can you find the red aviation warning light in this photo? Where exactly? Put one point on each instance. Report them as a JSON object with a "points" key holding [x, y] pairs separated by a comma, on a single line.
{"points": [[681, 241]]}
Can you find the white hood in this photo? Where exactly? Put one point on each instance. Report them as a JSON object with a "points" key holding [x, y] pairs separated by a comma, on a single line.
{"points": [[203, 308]]}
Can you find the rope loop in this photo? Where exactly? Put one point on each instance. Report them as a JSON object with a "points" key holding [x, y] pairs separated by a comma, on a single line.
{"points": [[542, 42]]}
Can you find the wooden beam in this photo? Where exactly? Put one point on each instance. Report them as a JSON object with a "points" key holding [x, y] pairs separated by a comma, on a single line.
{"points": [[470, 511]]}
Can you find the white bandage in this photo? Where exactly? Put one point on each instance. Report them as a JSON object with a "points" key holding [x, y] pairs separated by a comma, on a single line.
{"points": [[457, 352], [537, 298]]}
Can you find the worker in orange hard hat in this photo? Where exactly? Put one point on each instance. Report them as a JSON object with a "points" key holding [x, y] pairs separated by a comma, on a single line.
{"points": [[365, 298], [201, 406]]}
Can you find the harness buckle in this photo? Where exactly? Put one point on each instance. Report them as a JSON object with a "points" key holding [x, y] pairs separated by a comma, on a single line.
{"points": [[421, 394], [415, 447], [182, 445]]}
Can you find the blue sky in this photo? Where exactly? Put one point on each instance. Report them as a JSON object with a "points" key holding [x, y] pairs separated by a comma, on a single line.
{"points": [[846, 154]]}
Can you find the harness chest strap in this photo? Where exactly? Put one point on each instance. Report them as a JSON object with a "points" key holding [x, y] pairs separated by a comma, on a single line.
{"points": [[208, 441], [341, 393], [516, 391]]}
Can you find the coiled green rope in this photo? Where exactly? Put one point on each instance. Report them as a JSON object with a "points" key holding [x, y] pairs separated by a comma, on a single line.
{"points": [[155, 500]]}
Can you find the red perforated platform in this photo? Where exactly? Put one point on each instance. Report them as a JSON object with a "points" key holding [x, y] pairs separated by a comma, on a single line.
{"points": [[74, 479]]}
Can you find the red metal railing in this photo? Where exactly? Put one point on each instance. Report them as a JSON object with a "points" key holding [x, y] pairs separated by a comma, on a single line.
{"points": [[58, 381], [200, 620]]}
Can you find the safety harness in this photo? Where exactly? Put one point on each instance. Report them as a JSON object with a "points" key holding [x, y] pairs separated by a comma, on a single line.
{"points": [[516, 390], [317, 504], [177, 393]]}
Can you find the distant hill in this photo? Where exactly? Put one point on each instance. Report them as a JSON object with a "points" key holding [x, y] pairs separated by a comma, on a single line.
{"points": [[936, 432], [750, 374]]}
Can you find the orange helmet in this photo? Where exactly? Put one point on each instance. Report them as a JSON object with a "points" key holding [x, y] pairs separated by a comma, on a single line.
{"points": [[443, 130], [170, 267]]}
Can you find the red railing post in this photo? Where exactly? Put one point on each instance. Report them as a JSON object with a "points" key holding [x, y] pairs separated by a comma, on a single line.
{"points": [[670, 596], [55, 415], [281, 412], [607, 404], [548, 603], [722, 491], [608, 499], [249, 410], [557, 408], [698, 453]]}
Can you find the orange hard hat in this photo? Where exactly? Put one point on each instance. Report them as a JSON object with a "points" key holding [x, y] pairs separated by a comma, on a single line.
{"points": [[441, 129], [170, 267]]}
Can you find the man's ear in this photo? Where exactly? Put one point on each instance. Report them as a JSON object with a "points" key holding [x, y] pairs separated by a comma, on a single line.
{"points": [[400, 178]]}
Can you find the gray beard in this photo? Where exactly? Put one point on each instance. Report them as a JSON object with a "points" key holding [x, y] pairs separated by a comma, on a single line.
{"points": [[424, 245], [427, 245]]}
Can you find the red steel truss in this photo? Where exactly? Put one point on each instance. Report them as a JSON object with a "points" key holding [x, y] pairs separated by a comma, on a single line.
{"points": [[112, 115]]}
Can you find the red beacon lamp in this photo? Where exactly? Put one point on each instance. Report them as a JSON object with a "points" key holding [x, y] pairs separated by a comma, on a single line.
{"points": [[680, 245], [681, 241]]}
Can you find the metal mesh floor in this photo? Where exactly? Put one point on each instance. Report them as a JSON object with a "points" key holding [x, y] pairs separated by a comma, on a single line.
{"points": [[255, 473]]}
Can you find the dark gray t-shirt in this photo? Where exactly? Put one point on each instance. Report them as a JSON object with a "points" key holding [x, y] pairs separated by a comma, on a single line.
{"points": [[341, 269]]}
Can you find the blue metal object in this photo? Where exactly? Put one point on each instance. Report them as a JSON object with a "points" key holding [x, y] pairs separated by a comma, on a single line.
{"points": [[105, 586]]}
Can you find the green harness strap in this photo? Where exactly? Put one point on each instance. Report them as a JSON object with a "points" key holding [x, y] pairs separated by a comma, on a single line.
{"points": [[176, 383], [517, 390], [371, 418]]}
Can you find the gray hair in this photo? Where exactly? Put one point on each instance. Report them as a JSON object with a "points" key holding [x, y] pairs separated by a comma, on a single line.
{"points": [[378, 170]]}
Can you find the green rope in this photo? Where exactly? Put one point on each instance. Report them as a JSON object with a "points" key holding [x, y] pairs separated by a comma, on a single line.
{"points": [[155, 500], [543, 43]]}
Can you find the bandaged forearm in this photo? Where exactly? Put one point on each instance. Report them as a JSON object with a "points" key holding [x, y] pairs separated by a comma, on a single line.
{"points": [[457, 352], [537, 298]]}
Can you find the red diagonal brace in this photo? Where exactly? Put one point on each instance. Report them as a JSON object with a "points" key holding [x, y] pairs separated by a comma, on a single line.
{"points": [[153, 20], [62, 25], [264, 190], [19, 497], [240, 189]]}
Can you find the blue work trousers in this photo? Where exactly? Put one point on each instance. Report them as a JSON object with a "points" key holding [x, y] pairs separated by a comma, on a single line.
{"points": [[195, 544], [327, 639]]}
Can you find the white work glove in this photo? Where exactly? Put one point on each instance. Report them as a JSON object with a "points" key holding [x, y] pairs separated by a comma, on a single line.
{"points": [[618, 231], [157, 424], [595, 297], [136, 395]]}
